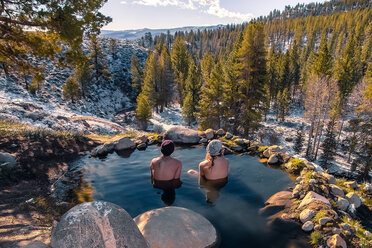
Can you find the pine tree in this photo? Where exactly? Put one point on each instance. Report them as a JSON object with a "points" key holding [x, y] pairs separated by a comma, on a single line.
{"points": [[180, 62], [273, 77], [329, 144], [323, 62], [166, 77], [39, 28], [83, 76], [295, 67], [283, 100], [150, 80], [137, 75], [252, 77], [113, 48], [71, 89], [207, 64], [210, 108], [97, 60], [299, 140], [143, 110], [191, 101], [346, 69]]}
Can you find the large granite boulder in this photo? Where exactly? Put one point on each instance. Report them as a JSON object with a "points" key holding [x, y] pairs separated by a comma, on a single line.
{"points": [[97, 224], [311, 197], [125, 143], [336, 241], [7, 158], [276, 203], [337, 191], [272, 150], [209, 133], [182, 135], [176, 227], [103, 149], [354, 199]]}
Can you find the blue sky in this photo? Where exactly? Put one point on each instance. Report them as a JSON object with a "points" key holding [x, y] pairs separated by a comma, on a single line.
{"points": [[136, 14]]}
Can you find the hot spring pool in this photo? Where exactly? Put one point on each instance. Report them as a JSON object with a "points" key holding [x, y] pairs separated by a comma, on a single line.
{"points": [[125, 180]]}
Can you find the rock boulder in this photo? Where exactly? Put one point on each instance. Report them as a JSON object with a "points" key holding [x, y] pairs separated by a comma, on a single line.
{"points": [[354, 199], [311, 196], [336, 241], [176, 227], [182, 135], [97, 224], [125, 143], [307, 215], [7, 158], [209, 133]]}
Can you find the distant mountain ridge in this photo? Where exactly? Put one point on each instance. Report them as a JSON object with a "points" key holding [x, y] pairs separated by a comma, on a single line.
{"points": [[138, 33]]}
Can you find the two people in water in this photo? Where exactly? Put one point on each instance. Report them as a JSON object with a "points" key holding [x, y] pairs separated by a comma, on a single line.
{"points": [[166, 171]]}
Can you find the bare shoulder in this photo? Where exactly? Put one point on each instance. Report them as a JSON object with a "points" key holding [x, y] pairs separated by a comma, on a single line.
{"points": [[155, 160], [203, 163], [177, 161]]}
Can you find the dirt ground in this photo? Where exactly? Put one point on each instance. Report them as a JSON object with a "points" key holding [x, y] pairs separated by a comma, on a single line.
{"points": [[20, 222]]}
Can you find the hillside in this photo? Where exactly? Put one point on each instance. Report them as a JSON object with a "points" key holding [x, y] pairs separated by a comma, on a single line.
{"points": [[48, 109], [139, 33]]}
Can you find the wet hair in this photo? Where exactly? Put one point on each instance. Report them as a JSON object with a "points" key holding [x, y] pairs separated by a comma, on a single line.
{"points": [[211, 158], [167, 147]]}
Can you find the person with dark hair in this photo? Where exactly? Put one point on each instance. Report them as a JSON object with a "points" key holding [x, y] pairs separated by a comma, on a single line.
{"points": [[166, 172]]}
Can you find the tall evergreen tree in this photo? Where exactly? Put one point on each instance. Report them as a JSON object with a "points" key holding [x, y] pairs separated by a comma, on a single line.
{"points": [[329, 144], [192, 87], [323, 62], [180, 61], [97, 60], [210, 109], [252, 77], [113, 48], [71, 89], [136, 75], [207, 64], [299, 141], [39, 28], [283, 100]]}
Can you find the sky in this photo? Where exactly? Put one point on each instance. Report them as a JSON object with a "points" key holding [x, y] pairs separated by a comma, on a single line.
{"points": [[138, 14]]}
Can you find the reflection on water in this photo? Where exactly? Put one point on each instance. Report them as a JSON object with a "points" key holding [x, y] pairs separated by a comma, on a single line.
{"points": [[168, 187], [125, 180], [212, 188]]}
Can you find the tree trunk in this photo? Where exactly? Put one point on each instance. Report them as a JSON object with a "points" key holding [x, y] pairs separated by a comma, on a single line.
{"points": [[340, 131], [320, 136], [309, 139]]}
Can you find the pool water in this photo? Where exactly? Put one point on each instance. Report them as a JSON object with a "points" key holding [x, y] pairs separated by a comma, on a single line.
{"points": [[125, 180]]}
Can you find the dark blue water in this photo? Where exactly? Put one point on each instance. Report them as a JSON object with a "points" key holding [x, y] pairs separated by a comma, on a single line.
{"points": [[125, 180]]}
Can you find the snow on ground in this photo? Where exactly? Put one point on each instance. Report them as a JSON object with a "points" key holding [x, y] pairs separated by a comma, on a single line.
{"points": [[284, 134], [170, 117]]}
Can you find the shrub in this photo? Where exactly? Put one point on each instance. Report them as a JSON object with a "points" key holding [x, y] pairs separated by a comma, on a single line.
{"points": [[315, 237], [71, 89], [295, 165]]}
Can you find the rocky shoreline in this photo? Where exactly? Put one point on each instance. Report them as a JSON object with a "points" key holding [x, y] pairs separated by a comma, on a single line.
{"points": [[319, 203]]}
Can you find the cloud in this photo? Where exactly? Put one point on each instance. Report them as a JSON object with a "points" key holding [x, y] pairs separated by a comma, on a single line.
{"points": [[211, 7]]}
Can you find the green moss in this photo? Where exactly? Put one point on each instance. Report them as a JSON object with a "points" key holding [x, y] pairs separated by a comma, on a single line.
{"points": [[228, 142], [261, 149], [319, 215], [294, 166], [315, 237]]}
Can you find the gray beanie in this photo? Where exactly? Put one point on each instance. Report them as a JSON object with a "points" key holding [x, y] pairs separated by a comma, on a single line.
{"points": [[214, 147]]}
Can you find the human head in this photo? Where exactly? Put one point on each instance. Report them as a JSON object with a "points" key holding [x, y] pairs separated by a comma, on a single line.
{"points": [[214, 148], [167, 147]]}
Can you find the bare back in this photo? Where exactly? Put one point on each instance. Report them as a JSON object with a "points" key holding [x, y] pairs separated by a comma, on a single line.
{"points": [[165, 168], [219, 169]]}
